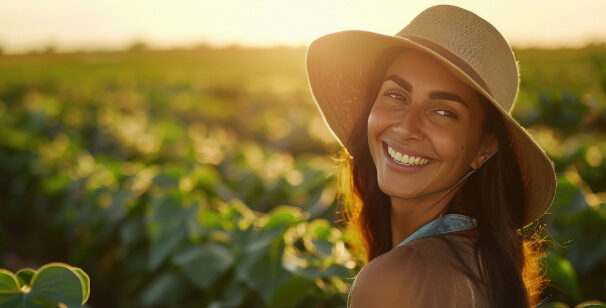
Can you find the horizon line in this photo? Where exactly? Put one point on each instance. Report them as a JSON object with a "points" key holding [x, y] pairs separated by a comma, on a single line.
{"points": [[142, 45]]}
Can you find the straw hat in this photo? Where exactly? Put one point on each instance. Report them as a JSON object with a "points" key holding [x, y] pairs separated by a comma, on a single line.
{"points": [[340, 64]]}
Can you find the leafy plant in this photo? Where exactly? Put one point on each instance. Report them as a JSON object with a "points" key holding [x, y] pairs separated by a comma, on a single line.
{"points": [[52, 285], [199, 178]]}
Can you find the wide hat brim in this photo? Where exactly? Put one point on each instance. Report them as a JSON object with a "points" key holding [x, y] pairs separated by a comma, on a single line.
{"points": [[339, 66]]}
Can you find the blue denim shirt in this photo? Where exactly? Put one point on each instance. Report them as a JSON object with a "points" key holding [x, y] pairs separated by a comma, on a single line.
{"points": [[444, 224]]}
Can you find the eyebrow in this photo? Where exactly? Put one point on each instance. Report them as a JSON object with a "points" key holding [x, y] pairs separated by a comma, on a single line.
{"points": [[447, 96], [400, 82], [432, 95]]}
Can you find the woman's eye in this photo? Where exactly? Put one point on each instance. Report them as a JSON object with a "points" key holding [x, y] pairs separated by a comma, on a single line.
{"points": [[446, 113], [396, 95]]}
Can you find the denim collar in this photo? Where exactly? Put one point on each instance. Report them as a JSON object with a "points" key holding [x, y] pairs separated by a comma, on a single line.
{"points": [[443, 224]]}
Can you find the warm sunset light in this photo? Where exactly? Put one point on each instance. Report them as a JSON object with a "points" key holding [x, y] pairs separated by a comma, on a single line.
{"points": [[177, 154], [72, 24]]}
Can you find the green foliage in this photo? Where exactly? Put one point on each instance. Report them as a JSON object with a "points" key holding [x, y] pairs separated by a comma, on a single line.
{"points": [[575, 272], [562, 275], [200, 178], [596, 304], [51, 285]]}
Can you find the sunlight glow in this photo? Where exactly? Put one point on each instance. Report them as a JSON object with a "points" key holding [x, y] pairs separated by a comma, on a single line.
{"points": [[112, 24]]}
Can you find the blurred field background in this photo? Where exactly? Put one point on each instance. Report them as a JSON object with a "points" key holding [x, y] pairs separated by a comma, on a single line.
{"points": [[180, 176], [202, 177]]}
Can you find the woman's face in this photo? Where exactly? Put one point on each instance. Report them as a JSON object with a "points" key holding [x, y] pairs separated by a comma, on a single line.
{"points": [[424, 129]]}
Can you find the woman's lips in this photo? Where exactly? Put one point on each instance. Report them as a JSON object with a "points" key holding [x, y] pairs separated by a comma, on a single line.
{"points": [[406, 159]]}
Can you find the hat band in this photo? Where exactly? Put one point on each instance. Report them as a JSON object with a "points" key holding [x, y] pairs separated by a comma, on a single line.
{"points": [[452, 58]]}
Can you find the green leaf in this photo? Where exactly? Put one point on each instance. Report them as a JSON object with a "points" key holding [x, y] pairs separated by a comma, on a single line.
{"points": [[324, 247], [264, 275], [85, 282], [55, 183], [132, 232], [165, 289], [592, 304], [284, 216], [233, 296], [52, 284], [338, 270], [290, 293], [170, 175], [167, 227], [25, 276], [11, 300], [320, 229], [210, 219], [569, 198], [203, 264], [587, 231], [310, 272], [8, 282], [335, 270], [56, 283], [251, 245], [262, 240], [10, 294], [554, 305], [562, 275]]}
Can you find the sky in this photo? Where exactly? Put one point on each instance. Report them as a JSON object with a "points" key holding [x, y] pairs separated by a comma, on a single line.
{"points": [[113, 24]]}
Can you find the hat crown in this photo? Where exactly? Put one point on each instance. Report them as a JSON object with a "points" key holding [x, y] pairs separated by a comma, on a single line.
{"points": [[476, 43]]}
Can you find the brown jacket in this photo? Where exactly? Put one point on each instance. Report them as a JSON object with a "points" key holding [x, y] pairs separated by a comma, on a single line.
{"points": [[422, 273]]}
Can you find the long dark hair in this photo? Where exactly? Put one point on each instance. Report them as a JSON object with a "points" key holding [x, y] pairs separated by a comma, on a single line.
{"points": [[494, 195]]}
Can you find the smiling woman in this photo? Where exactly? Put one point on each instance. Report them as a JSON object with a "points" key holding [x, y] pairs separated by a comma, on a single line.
{"points": [[427, 115], [418, 115]]}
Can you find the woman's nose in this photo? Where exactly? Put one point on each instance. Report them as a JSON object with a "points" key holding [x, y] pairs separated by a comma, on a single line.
{"points": [[409, 124]]}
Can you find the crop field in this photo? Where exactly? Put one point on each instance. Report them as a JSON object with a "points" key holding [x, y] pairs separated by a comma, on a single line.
{"points": [[206, 177]]}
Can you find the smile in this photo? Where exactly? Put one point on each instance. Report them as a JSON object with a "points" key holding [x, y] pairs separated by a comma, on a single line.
{"points": [[405, 159]]}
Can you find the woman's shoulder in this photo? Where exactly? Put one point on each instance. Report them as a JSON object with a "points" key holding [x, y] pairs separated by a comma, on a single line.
{"points": [[433, 256], [421, 273], [441, 247]]}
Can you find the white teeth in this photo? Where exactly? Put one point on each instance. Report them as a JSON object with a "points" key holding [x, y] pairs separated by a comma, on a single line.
{"points": [[405, 159]]}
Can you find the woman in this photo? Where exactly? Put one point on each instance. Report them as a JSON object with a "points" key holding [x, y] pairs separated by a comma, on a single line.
{"points": [[443, 179]]}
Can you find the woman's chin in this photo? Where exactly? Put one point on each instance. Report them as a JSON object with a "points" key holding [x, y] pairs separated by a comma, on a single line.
{"points": [[394, 190]]}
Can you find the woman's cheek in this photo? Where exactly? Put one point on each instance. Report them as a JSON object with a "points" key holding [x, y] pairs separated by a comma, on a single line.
{"points": [[449, 141], [377, 121]]}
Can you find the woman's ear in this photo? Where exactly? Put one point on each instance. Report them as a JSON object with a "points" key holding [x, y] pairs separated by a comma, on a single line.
{"points": [[490, 147]]}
